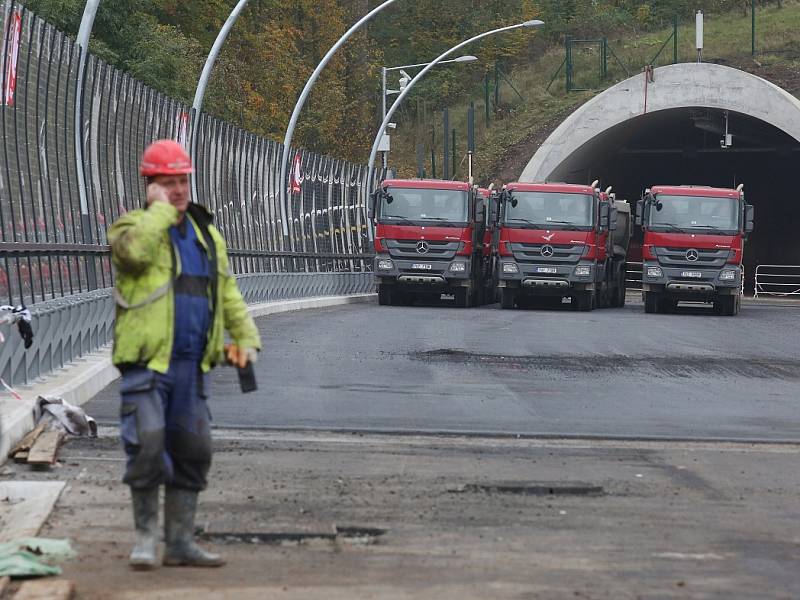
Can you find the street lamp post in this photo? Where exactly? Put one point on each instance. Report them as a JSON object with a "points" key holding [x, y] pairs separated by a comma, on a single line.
{"points": [[202, 83], [385, 92], [287, 141], [421, 74]]}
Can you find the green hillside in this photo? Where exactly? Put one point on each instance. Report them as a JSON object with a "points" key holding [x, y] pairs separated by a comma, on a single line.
{"points": [[519, 125]]}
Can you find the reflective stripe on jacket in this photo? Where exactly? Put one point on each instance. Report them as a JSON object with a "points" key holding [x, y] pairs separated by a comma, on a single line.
{"points": [[146, 266]]}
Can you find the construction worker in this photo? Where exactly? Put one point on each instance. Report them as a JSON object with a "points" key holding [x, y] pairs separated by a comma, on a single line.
{"points": [[175, 297]]}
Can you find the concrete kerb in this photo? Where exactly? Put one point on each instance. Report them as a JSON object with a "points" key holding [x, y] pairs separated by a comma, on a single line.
{"points": [[82, 380]]}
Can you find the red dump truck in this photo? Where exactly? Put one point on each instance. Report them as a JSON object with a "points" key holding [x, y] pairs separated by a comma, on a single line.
{"points": [[693, 246], [429, 241], [562, 240]]}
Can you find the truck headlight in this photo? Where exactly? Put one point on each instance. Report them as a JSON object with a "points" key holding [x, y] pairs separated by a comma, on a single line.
{"points": [[510, 268], [458, 267], [655, 272], [385, 265], [583, 271], [727, 275]]}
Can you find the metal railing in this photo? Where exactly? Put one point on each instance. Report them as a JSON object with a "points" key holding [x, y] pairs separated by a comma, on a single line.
{"points": [[777, 280], [52, 246], [54, 255]]}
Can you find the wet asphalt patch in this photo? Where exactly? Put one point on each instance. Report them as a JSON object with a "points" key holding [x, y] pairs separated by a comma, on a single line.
{"points": [[531, 489], [686, 367]]}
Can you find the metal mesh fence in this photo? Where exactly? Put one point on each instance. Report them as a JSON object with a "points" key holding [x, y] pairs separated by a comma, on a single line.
{"points": [[54, 243]]}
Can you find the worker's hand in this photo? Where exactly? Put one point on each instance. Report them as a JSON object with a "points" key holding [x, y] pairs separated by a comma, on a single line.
{"points": [[240, 357], [156, 193]]}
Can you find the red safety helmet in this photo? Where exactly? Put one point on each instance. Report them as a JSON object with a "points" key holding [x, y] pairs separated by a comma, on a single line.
{"points": [[165, 157]]}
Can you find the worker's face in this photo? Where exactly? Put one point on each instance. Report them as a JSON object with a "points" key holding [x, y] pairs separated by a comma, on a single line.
{"points": [[177, 188]]}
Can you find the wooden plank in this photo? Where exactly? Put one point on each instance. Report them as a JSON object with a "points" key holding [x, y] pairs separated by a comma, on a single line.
{"points": [[28, 441], [21, 457], [46, 589], [4, 581], [44, 450]]}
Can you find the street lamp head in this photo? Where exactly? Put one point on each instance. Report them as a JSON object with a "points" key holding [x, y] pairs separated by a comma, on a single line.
{"points": [[466, 59], [533, 23]]}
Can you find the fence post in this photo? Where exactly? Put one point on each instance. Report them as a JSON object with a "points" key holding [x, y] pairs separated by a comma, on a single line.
{"points": [[753, 18], [420, 161], [675, 40], [446, 145], [568, 50], [470, 140], [486, 97], [433, 152], [455, 161], [496, 85]]}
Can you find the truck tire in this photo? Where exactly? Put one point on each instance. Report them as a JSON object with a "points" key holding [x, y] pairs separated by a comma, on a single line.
{"points": [[728, 306], [463, 297], [585, 301], [620, 290], [652, 302], [507, 298], [384, 295]]}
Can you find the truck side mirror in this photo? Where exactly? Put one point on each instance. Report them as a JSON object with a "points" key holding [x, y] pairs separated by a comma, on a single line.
{"points": [[605, 209], [749, 218], [612, 220], [640, 212], [373, 200]]}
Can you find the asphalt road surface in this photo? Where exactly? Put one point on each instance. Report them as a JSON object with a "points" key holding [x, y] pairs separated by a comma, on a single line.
{"points": [[609, 373]]}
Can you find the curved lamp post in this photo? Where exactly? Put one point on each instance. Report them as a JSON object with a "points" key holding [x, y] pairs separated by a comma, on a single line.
{"points": [[421, 74], [202, 83], [287, 141]]}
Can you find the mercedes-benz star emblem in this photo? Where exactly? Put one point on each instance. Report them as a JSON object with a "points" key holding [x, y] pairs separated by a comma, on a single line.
{"points": [[692, 255], [547, 251], [423, 247]]}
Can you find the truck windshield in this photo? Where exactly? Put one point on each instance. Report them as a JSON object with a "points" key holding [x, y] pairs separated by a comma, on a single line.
{"points": [[407, 205], [698, 213], [550, 210]]}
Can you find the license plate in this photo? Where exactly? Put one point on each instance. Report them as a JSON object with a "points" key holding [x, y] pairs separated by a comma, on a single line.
{"points": [[422, 266], [551, 270], [692, 274]]}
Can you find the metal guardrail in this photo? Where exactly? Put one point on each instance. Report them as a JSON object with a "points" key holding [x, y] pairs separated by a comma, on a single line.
{"points": [[777, 280], [65, 329], [52, 246]]}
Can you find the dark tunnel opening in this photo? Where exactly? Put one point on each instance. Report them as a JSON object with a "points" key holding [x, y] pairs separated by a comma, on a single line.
{"points": [[684, 147]]}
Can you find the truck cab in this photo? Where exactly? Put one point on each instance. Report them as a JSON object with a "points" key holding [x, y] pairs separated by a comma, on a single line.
{"points": [[429, 237], [693, 246], [562, 240]]}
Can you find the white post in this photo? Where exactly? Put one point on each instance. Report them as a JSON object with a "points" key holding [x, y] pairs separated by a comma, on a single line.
{"points": [[700, 36], [205, 76], [84, 34], [287, 141], [421, 74]]}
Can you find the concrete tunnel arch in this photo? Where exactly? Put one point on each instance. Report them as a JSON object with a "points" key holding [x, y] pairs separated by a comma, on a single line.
{"points": [[669, 130]]}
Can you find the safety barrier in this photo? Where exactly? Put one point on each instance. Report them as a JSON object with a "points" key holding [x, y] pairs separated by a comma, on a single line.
{"points": [[53, 240], [65, 329], [777, 280]]}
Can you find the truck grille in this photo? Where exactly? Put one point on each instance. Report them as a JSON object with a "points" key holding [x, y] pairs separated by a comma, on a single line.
{"points": [[548, 253], [680, 257], [410, 249]]}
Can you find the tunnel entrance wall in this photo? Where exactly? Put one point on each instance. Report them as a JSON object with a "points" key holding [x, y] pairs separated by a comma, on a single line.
{"points": [[612, 139]]}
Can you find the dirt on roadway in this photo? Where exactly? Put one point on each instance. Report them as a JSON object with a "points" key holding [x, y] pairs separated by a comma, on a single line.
{"points": [[342, 516]]}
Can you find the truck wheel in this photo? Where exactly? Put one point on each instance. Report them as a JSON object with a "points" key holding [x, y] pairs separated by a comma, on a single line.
{"points": [[728, 306], [585, 301], [463, 297], [507, 298], [652, 302], [384, 295]]}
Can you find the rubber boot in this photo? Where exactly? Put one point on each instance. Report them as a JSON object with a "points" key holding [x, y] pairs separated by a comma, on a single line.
{"points": [[179, 510], [145, 517]]}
